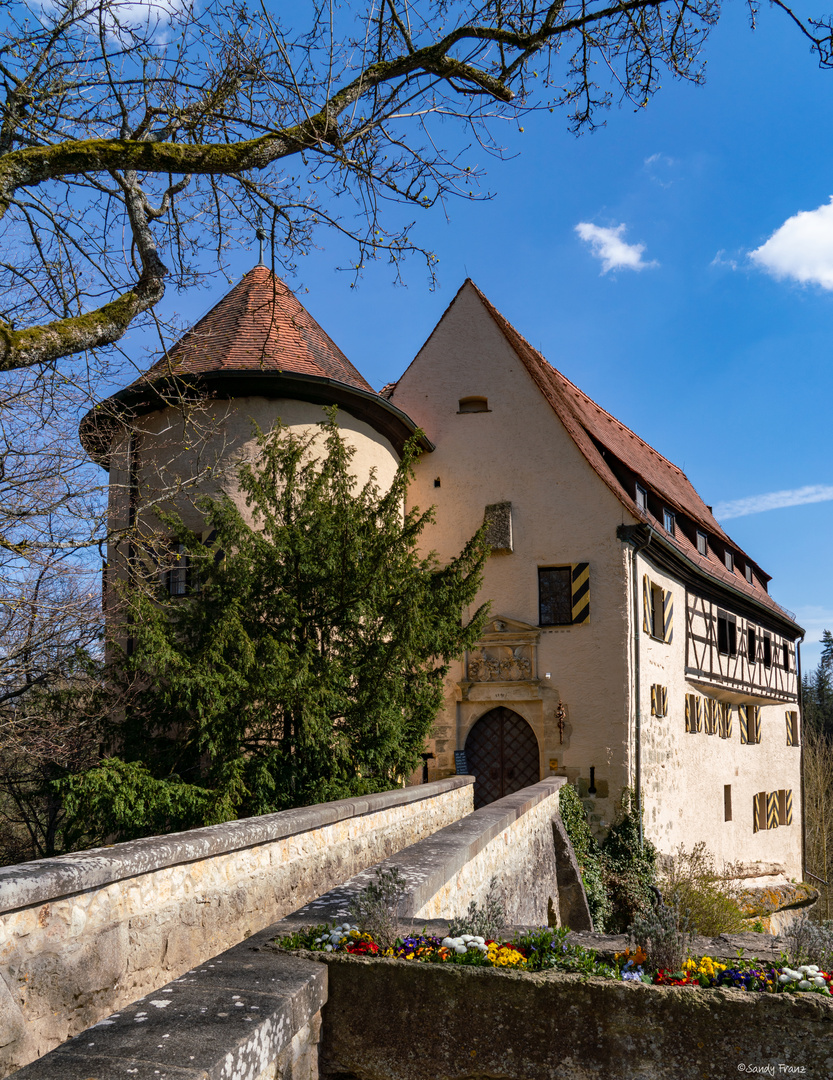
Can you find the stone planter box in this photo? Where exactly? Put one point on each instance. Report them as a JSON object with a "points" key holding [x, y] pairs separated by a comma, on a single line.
{"points": [[393, 1020]]}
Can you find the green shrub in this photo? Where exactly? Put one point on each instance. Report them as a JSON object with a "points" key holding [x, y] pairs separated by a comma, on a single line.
{"points": [[630, 871], [617, 874], [589, 856], [708, 897]]}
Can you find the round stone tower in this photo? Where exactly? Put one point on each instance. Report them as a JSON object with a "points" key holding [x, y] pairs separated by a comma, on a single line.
{"points": [[257, 357]]}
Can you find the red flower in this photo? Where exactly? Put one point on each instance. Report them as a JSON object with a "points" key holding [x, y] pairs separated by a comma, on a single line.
{"points": [[362, 947]]}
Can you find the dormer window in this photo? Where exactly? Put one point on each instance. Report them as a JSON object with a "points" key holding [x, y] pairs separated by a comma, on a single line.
{"points": [[749, 573], [473, 404], [729, 560], [641, 497], [668, 521], [702, 544]]}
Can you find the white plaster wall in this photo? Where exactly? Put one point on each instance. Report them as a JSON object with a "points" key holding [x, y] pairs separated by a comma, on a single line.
{"points": [[683, 774], [222, 434], [562, 514]]}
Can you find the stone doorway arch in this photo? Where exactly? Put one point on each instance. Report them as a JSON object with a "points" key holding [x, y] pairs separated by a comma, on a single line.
{"points": [[502, 754]]}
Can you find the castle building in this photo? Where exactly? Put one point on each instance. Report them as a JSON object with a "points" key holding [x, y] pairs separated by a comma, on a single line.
{"points": [[631, 644]]}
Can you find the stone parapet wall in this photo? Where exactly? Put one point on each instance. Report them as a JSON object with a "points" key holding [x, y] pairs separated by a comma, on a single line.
{"points": [[250, 1014], [511, 839], [83, 934]]}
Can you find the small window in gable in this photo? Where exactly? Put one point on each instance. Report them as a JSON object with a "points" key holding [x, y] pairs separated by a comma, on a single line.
{"points": [[702, 543], [729, 560], [641, 497], [473, 404], [668, 521], [749, 573]]}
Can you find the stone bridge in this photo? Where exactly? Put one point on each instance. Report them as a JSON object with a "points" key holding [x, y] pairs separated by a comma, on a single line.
{"points": [[86, 934]]}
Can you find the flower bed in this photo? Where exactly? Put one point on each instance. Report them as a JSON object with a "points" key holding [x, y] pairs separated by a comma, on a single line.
{"points": [[547, 949]]}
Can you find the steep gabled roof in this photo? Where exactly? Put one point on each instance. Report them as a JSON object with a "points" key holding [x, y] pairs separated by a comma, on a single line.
{"points": [[259, 326], [258, 340], [608, 445]]}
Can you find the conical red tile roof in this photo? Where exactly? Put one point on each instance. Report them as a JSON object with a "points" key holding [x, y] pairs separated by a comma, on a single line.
{"points": [[259, 326]]}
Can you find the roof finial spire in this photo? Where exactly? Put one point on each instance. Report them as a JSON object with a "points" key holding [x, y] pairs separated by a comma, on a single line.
{"points": [[261, 236]]}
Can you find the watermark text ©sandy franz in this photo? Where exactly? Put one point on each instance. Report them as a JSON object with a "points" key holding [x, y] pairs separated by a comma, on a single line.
{"points": [[772, 1070]]}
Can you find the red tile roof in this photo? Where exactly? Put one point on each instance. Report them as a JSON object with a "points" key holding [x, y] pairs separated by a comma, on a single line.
{"points": [[259, 326], [598, 435]]}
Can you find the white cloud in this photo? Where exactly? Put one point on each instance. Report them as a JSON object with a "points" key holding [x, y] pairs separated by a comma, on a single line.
{"points": [[721, 259], [773, 500], [608, 245], [802, 248]]}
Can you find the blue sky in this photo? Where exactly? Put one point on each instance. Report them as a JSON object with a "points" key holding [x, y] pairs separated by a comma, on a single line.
{"points": [[721, 360]]}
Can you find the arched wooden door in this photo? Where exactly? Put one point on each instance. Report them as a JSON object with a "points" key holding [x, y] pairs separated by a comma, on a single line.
{"points": [[502, 753]]}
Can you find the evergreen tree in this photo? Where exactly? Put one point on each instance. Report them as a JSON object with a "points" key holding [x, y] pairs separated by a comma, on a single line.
{"points": [[306, 660], [817, 692]]}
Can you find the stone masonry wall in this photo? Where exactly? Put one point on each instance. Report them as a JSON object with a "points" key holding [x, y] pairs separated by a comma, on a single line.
{"points": [[389, 1020], [522, 859], [84, 934]]}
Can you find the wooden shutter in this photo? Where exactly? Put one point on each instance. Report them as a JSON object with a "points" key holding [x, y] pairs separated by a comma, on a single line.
{"points": [[754, 723], [785, 807], [729, 712], [772, 810], [667, 616], [647, 614], [654, 704], [692, 714], [698, 712], [792, 729], [711, 713], [743, 715], [664, 700], [580, 579], [759, 802]]}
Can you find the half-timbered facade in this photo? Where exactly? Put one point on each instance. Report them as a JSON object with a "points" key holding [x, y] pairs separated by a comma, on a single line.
{"points": [[631, 640]]}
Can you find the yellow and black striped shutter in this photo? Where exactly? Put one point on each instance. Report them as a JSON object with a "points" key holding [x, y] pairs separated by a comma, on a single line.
{"points": [[772, 810], [729, 712], [688, 712], [667, 616], [647, 618], [756, 723], [698, 710], [744, 723], [788, 808], [792, 729], [664, 700], [581, 592], [654, 702]]}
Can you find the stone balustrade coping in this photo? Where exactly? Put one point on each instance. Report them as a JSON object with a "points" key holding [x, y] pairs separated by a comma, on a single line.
{"points": [[45, 880]]}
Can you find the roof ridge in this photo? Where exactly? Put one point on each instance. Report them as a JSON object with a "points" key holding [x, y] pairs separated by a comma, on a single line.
{"points": [[501, 318]]}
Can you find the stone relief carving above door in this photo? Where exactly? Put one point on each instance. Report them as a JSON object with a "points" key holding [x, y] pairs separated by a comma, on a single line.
{"points": [[506, 652]]}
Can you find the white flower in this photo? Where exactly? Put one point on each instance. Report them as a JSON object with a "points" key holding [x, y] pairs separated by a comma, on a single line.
{"points": [[805, 985], [460, 949], [447, 943]]}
